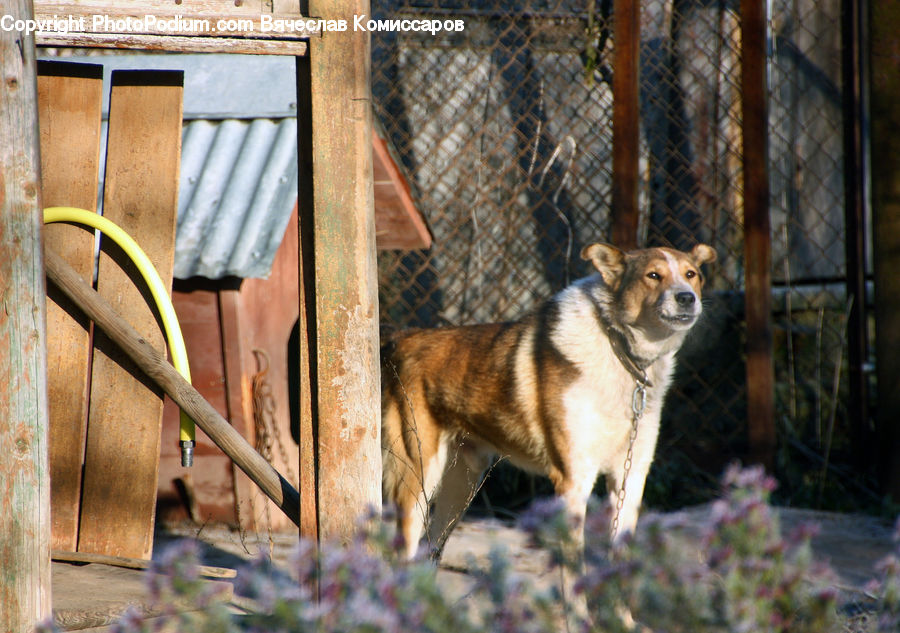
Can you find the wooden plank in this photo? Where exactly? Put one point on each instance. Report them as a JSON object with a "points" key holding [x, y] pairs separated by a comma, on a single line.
{"points": [[24, 471], [885, 117], [70, 98], [306, 321], [249, 504], [347, 354], [757, 238], [141, 196], [174, 43], [201, 18], [626, 122], [399, 224], [247, 26], [204, 490]]}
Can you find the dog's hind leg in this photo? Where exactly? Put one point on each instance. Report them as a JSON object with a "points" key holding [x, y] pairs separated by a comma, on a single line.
{"points": [[412, 512], [404, 482]]}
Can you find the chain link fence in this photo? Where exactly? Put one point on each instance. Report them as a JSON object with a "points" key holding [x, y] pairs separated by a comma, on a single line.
{"points": [[505, 132], [806, 175]]}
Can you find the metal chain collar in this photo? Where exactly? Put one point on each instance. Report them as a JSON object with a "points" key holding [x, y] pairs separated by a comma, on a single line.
{"points": [[638, 402]]}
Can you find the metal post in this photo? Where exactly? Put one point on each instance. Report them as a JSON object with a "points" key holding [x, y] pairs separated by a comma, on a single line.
{"points": [[626, 122], [757, 235], [853, 22], [885, 95]]}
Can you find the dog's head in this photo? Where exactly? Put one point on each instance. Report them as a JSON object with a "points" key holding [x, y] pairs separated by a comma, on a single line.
{"points": [[656, 289]]}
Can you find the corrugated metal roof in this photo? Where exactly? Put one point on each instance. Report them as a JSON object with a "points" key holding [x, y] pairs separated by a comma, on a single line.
{"points": [[238, 188], [239, 164]]}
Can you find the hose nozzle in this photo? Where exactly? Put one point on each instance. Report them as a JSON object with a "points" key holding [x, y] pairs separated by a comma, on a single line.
{"points": [[187, 452]]}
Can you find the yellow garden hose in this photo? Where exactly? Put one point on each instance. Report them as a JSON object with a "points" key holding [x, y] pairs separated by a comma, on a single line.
{"points": [[157, 290]]}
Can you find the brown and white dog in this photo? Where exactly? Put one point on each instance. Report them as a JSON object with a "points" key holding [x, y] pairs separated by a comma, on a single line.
{"points": [[554, 392]]}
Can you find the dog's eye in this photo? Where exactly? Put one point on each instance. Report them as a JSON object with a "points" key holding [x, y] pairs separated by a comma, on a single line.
{"points": [[654, 276], [690, 274]]}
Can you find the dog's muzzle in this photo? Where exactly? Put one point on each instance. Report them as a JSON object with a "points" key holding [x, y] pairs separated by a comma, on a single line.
{"points": [[680, 308]]}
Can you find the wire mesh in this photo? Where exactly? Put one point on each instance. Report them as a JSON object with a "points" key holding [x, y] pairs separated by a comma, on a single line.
{"points": [[505, 132]]}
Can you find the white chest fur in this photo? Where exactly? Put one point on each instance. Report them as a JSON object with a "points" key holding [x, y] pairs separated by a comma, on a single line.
{"points": [[598, 404]]}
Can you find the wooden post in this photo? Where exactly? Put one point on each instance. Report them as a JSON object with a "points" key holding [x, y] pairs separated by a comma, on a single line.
{"points": [[757, 238], [626, 122], [24, 470], [306, 321], [885, 97], [346, 361]]}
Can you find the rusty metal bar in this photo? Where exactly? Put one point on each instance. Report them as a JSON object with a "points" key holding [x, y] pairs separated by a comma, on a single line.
{"points": [[885, 93], [757, 235], [626, 122]]}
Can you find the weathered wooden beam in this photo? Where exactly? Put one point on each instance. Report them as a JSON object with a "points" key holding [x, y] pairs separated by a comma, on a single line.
{"points": [[70, 98], [132, 563], [24, 469], [221, 26], [626, 122], [306, 322], [174, 43], [347, 382], [885, 97], [239, 404], [163, 374], [757, 237], [121, 463]]}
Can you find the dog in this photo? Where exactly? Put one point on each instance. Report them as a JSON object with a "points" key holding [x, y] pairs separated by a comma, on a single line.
{"points": [[570, 391]]}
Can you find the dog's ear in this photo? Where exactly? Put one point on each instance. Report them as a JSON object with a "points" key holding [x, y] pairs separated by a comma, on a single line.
{"points": [[703, 254], [609, 260]]}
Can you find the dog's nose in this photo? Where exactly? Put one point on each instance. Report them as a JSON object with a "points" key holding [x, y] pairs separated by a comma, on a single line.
{"points": [[685, 299]]}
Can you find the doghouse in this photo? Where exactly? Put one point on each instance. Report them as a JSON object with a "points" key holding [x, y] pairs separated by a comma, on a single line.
{"points": [[236, 277]]}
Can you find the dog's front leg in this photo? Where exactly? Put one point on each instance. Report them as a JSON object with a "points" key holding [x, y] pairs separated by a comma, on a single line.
{"points": [[575, 503]]}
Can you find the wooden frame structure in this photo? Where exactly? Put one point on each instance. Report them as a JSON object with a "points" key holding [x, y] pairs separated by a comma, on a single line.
{"points": [[340, 429]]}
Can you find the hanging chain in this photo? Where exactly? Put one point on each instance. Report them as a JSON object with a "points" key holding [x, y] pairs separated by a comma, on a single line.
{"points": [[638, 402], [265, 418]]}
